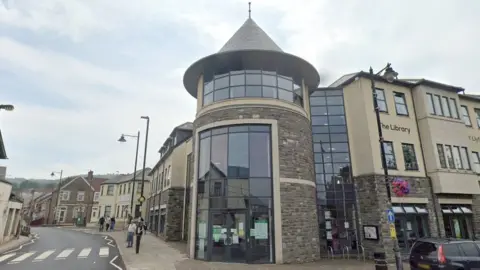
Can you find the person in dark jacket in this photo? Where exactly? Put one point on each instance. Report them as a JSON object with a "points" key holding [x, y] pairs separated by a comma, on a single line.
{"points": [[101, 221], [112, 224]]}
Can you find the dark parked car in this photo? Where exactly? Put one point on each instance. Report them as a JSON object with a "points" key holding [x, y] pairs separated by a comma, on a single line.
{"points": [[445, 254]]}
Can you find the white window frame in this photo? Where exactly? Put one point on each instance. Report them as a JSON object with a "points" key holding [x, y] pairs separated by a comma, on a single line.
{"points": [[64, 195], [80, 196], [476, 162], [446, 107], [465, 115], [453, 108], [96, 196], [400, 101], [169, 177], [381, 99], [456, 157], [113, 190]]}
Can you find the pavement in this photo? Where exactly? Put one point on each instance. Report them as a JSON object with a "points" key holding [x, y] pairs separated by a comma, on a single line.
{"points": [[56, 248], [156, 254], [14, 243]]}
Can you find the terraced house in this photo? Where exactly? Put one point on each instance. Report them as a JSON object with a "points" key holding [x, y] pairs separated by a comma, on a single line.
{"points": [[168, 201]]}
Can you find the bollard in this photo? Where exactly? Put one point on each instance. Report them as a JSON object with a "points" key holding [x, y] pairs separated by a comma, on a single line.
{"points": [[380, 261]]}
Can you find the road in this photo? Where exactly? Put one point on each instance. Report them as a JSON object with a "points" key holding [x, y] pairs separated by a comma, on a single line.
{"points": [[58, 249]]}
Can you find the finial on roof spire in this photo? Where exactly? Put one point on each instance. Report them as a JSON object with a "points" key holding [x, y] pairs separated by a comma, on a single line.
{"points": [[249, 10]]}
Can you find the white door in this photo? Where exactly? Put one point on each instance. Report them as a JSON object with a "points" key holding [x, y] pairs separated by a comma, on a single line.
{"points": [[62, 215]]}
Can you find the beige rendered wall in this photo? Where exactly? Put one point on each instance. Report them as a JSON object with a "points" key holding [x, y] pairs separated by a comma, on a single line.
{"points": [[447, 131], [179, 163], [363, 131]]}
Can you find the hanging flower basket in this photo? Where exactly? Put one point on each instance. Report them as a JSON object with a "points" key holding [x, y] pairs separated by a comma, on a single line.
{"points": [[400, 187]]}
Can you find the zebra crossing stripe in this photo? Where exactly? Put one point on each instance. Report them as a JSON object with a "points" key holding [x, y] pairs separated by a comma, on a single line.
{"points": [[103, 252], [64, 254], [21, 257], [44, 255], [7, 256], [84, 253]]}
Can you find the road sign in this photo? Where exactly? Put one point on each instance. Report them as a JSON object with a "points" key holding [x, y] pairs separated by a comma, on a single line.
{"points": [[393, 232], [390, 216]]}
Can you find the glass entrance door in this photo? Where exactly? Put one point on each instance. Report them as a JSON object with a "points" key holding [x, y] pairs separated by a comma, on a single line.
{"points": [[228, 236]]}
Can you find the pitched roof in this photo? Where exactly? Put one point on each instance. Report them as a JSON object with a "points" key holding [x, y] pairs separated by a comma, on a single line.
{"points": [[250, 37], [97, 182], [128, 177]]}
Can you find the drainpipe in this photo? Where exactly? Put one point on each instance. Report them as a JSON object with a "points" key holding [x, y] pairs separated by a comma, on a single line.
{"points": [[430, 182]]}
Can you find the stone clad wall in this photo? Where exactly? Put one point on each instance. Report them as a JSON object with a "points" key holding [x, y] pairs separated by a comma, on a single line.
{"points": [[372, 206], [173, 223], [300, 236]]}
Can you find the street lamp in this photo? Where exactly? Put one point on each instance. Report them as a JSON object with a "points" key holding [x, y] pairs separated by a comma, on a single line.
{"points": [[142, 198], [7, 107], [122, 139], [58, 190], [390, 75]]}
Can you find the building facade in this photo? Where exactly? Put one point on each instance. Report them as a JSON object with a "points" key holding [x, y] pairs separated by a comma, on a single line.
{"points": [[119, 196], [167, 211], [253, 189], [10, 210]]}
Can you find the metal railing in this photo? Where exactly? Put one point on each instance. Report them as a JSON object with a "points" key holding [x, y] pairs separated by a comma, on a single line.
{"points": [[363, 252], [347, 253]]}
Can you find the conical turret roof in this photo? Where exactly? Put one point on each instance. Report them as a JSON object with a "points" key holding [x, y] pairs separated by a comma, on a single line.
{"points": [[250, 37]]}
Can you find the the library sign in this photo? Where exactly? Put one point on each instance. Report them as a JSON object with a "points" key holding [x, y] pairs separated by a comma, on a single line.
{"points": [[395, 127], [474, 139]]}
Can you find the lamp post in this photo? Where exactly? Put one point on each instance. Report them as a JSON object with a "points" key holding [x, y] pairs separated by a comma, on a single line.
{"points": [[142, 198], [390, 75], [7, 107], [57, 201], [122, 139]]}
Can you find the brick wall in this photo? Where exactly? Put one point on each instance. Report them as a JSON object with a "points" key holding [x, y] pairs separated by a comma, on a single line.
{"points": [[173, 223]]}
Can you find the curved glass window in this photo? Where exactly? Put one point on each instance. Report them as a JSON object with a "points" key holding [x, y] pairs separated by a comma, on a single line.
{"points": [[251, 83], [234, 198]]}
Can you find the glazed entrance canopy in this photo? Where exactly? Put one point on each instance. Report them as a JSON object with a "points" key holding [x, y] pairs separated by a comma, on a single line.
{"points": [[250, 48]]}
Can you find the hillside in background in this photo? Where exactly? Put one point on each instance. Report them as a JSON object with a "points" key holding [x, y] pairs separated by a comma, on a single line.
{"points": [[23, 183]]}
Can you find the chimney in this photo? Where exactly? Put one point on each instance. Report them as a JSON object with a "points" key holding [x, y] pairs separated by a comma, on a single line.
{"points": [[90, 176]]}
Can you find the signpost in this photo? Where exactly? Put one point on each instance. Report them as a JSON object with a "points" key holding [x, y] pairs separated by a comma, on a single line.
{"points": [[391, 223]]}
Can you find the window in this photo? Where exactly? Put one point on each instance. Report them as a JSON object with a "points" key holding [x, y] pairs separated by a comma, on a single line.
{"points": [[169, 175], [65, 195], [108, 211], [477, 114], [80, 196], [390, 155], [469, 249], [446, 107], [400, 103], [476, 162], [409, 157], [101, 190], [431, 107], [441, 156], [453, 108], [381, 101], [96, 196], [465, 115], [437, 105], [110, 189], [251, 83], [456, 157], [464, 158]]}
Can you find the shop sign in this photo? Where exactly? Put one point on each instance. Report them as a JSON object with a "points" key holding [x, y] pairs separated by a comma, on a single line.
{"points": [[395, 127]]}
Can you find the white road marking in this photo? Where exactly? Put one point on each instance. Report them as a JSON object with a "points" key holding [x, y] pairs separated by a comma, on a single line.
{"points": [[110, 241], [44, 255], [6, 257], [21, 257], [35, 237], [112, 263], [103, 252], [64, 254], [84, 253]]}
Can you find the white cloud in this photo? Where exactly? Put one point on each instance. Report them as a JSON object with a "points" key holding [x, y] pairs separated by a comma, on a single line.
{"points": [[433, 39]]}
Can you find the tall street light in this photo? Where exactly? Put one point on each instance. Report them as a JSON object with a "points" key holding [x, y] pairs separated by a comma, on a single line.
{"points": [[142, 198], [390, 75], [58, 191], [122, 139], [7, 107]]}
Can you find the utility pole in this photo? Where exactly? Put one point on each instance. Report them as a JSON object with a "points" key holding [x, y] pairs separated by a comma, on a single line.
{"points": [[31, 206], [89, 198]]}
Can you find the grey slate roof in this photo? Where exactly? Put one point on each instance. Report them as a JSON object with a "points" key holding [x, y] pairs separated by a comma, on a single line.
{"points": [[127, 177], [250, 37]]}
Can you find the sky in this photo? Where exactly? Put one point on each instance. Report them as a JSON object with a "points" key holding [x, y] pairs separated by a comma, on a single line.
{"points": [[82, 72]]}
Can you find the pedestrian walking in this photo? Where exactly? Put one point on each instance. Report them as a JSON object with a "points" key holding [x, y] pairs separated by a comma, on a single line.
{"points": [[112, 224], [139, 233], [107, 226], [101, 221], [132, 228]]}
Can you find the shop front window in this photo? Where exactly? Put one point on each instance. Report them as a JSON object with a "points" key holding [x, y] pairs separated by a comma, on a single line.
{"points": [[458, 221], [251, 83], [411, 223], [234, 208]]}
